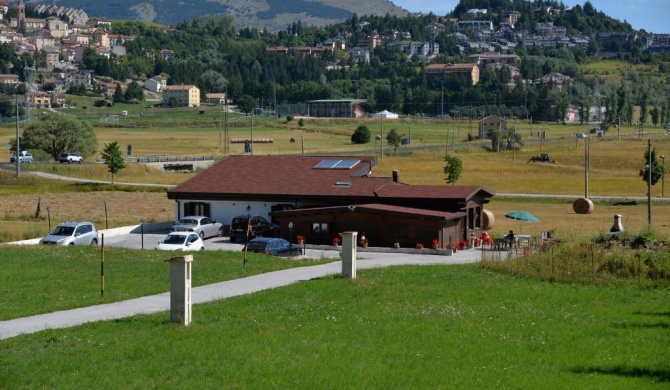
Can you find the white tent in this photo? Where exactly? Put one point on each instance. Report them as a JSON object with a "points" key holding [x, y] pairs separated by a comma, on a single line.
{"points": [[385, 114]]}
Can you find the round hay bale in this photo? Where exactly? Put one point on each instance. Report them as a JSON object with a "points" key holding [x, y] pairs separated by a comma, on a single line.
{"points": [[583, 206], [488, 220]]}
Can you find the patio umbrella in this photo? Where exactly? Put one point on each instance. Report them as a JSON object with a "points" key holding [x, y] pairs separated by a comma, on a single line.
{"points": [[522, 216]]}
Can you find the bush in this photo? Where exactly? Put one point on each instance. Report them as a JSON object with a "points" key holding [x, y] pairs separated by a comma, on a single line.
{"points": [[361, 135], [289, 118], [301, 122]]}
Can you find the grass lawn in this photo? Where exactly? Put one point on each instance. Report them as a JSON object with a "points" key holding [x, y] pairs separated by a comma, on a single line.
{"points": [[35, 280], [398, 327]]}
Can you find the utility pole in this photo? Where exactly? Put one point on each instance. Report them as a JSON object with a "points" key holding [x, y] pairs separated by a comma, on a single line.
{"points": [[649, 184], [18, 145]]}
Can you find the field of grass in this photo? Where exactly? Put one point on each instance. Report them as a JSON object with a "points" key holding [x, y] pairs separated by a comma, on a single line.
{"points": [[31, 280], [398, 327]]}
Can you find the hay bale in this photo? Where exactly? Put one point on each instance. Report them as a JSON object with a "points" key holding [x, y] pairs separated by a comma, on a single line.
{"points": [[488, 220], [583, 206]]}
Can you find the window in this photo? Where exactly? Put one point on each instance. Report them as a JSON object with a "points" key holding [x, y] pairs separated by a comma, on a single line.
{"points": [[321, 227], [197, 208]]}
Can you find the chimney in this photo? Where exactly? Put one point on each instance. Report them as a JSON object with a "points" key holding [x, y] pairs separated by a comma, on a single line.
{"points": [[396, 174]]}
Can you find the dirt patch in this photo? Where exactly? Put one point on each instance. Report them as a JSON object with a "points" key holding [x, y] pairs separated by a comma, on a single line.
{"points": [[122, 207]]}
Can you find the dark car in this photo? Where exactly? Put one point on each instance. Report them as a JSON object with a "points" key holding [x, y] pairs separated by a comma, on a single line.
{"points": [[273, 246], [259, 227]]}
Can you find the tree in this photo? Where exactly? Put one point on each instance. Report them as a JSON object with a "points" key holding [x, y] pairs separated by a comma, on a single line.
{"points": [[113, 158], [118, 94], [453, 169], [656, 168], [246, 104], [212, 81], [394, 139], [361, 135], [134, 92], [57, 133]]}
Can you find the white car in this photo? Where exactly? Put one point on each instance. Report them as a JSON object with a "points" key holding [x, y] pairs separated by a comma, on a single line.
{"points": [[203, 226], [181, 241], [581, 135], [72, 233]]}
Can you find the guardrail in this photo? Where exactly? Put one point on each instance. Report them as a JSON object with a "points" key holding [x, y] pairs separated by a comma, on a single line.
{"points": [[163, 158]]}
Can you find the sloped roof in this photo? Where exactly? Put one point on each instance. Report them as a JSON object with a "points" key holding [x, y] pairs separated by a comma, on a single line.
{"points": [[296, 176]]}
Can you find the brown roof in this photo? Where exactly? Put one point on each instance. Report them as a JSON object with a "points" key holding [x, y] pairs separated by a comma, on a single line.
{"points": [[178, 87], [286, 176], [281, 175]]}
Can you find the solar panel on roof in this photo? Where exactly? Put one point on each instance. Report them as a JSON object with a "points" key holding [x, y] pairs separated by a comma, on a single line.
{"points": [[336, 164], [346, 164], [326, 164]]}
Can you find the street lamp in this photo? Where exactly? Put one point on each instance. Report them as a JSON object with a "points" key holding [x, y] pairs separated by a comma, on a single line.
{"points": [[663, 177], [290, 238], [49, 216], [142, 232]]}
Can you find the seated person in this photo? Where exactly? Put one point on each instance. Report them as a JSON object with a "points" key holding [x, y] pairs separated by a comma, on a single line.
{"points": [[509, 238]]}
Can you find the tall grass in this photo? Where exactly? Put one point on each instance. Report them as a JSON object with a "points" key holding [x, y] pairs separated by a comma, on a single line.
{"points": [[636, 259]]}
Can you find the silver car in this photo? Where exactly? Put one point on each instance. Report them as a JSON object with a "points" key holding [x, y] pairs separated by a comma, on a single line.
{"points": [[72, 233], [203, 226]]}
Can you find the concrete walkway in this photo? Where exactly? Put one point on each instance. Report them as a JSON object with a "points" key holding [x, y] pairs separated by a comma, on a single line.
{"points": [[217, 291]]}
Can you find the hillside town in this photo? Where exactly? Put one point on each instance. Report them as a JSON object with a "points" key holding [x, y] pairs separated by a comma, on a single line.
{"points": [[60, 37]]}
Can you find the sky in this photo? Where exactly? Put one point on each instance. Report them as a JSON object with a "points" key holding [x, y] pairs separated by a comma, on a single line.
{"points": [[650, 15]]}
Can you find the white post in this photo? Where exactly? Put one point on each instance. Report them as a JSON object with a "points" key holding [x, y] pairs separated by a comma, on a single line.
{"points": [[180, 289], [349, 254]]}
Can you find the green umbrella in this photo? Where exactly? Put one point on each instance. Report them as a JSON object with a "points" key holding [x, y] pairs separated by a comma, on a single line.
{"points": [[522, 216]]}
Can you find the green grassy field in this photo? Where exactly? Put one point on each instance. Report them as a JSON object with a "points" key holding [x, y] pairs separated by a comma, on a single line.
{"points": [[31, 281], [398, 327]]}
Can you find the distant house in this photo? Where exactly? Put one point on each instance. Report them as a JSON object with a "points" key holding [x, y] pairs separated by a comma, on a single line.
{"points": [[359, 54], [333, 195], [186, 95], [336, 108], [218, 99], [471, 71], [9, 79], [44, 100], [155, 84], [491, 124], [108, 89]]}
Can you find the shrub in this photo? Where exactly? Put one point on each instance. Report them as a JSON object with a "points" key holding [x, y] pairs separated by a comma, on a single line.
{"points": [[289, 118], [361, 135], [301, 122]]}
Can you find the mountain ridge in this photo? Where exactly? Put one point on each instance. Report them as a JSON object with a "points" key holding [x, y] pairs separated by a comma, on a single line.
{"points": [[273, 15]]}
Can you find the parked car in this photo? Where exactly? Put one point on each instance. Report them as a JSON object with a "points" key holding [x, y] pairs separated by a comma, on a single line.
{"points": [[273, 246], [70, 158], [24, 157], [203, 226], [72, 233], [581, 135], [181, 241], [259, 227]]}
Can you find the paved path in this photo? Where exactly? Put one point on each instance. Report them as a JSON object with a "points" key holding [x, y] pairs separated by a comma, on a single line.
{"points": [[213, 292]]}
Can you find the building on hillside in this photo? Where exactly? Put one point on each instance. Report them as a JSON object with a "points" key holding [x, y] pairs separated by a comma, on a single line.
{"points": [[336, 108], [334, 194], [470, 71], [186, 95], [9, 79], [155, 84], [491, 124], [359, 54], [217, 99]]}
